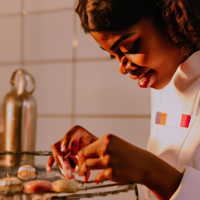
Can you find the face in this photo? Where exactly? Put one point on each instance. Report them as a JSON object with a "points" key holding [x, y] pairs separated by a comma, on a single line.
{"points": [[144, 52]]}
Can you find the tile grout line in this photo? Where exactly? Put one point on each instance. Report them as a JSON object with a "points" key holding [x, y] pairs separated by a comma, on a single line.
{"points": [[11, 63], [74, 70], [10, 15], [35, 12], [22, 36], [97, 116], [48, 11]]}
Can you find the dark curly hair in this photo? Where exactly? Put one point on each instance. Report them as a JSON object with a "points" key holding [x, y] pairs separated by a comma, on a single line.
{"points": [[180, 18]]}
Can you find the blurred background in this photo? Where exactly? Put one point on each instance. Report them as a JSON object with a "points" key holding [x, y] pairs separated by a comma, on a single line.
{"points": [[76, 81]]}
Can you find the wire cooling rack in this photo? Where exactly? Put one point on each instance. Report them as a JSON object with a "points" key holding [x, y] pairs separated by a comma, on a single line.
{"points": [[90, 189]]}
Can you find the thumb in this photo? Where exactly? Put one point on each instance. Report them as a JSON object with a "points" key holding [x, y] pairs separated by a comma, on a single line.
{"points": [[104, 175], [49, 163]]}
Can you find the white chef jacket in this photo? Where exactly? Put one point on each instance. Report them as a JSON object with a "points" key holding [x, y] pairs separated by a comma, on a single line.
{"points": [[171, 140]]}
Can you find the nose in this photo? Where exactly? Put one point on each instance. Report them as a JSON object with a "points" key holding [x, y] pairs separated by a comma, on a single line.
{"points": [[124, 60]]}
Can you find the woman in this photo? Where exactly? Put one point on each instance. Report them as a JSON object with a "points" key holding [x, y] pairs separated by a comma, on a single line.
{"points": [[157, 43]]}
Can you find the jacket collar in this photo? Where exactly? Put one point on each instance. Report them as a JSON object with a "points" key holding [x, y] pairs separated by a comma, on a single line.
{"points": [[187, 73]]}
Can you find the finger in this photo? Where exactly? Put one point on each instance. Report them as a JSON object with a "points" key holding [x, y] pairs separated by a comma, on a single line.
{"points": [[82, 166], [73, 161], [49, 163], [98, 163], [55, 154], [67, 168], [104, 175], [85, 141], [65, 142], [88, 151], [70, 141], [66, 139], [87, 176]]}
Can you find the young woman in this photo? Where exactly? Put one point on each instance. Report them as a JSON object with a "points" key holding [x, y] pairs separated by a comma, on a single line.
{"points": [[157, 43]]}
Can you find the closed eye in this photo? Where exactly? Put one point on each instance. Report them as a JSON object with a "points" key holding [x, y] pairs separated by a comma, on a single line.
{"points": [[134, 48], [125, 48], [119, 53]]}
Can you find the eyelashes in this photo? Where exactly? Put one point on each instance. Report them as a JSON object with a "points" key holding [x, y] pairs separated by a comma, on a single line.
{"points": [[118, 52], [134, 48]]}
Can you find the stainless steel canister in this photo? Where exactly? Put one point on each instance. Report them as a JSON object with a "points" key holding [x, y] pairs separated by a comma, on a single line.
{"points": [[19, 120]]}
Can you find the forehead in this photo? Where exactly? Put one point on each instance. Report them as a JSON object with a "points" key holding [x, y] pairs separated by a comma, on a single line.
{"points": [[111, 37], [105, 40], [101, 37]]}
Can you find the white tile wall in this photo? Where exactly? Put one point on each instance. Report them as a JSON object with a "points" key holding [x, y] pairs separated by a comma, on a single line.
{"points": [[10, 6], [83, 49], [90, 93], [47, 38], [10, 39], [49, 131], [102, 89], [53, 87], [135, 131], [43, 5]]}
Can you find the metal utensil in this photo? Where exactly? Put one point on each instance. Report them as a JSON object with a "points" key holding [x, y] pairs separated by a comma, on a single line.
{"points": [[73, 186]]}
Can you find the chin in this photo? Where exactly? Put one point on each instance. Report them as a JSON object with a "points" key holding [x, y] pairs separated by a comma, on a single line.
{"points": [[160, 84]]}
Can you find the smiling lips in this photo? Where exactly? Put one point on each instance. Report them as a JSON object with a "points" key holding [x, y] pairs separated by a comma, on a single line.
{"points": [[143, 74]]}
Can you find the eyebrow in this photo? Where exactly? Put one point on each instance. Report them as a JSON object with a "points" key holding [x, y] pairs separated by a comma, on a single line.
{"points": [[102, 48], [124, 37]]}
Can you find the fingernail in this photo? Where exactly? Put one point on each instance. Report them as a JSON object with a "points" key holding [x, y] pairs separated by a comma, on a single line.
{"points": [[83, 167], [69, 173], [62, 148], [76, 168], [48, 169], [82, 170]]}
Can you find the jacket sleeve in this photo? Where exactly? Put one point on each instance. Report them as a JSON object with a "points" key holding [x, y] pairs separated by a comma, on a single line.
{"points": [[189, 187]]}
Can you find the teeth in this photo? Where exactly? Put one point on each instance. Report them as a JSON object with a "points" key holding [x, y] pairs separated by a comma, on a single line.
{"points": [[147, 80], [142, 80]]}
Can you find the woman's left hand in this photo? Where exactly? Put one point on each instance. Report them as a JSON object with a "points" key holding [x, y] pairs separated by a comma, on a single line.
{"points": [[125, 163], [116, 156]]}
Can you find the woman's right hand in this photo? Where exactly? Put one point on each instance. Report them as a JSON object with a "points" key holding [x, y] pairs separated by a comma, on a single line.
{"points": [[73, 141]]}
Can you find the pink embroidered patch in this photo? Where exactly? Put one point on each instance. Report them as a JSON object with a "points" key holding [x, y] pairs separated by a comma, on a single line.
{"points": [[185, 121]]}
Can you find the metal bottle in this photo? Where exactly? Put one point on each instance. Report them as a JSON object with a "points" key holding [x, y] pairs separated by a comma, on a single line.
{"points": [[19, 114]]}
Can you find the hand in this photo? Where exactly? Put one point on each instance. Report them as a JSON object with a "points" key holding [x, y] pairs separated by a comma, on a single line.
{"points": [[125, 163], [117, 157], [74, 140]]}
